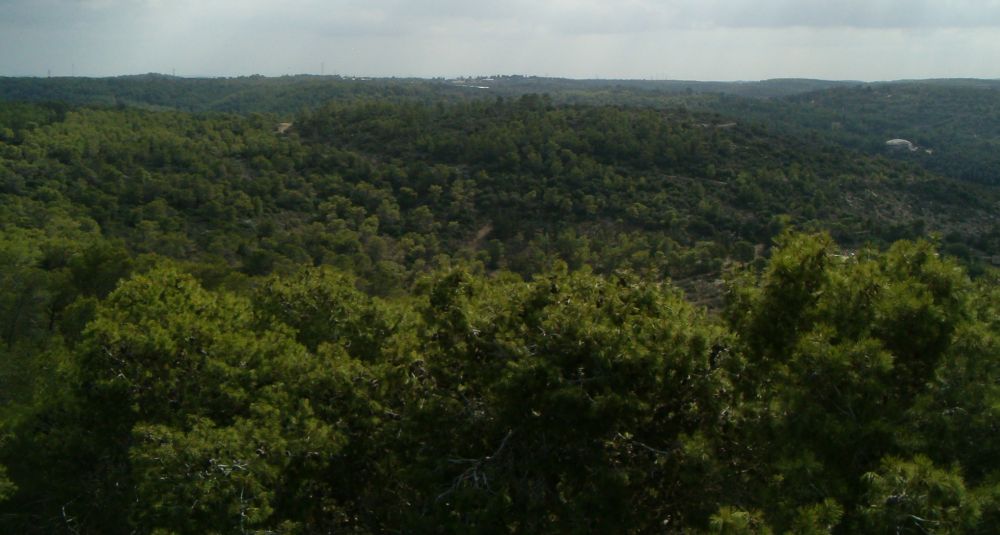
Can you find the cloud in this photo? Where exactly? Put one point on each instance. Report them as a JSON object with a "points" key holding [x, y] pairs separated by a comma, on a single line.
{"points": [[559, 16], [639, 38], [889, 14], [593, 16], [627, 16]]}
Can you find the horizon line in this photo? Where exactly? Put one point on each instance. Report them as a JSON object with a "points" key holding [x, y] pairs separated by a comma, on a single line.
{"points": [[483, 76]]}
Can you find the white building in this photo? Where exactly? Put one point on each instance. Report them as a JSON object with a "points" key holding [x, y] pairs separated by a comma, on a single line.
{"points": [[900, 144]]}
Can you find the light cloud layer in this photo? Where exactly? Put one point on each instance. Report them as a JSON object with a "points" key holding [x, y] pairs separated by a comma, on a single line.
{"points": [[703, 39]]}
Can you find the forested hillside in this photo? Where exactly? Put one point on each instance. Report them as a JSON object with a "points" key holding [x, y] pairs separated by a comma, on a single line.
{"points": [[383, 189], [289, 94], [953, 123], [411, 310]]}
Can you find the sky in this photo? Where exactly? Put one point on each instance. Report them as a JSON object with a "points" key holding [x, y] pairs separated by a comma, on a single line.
{"points": [[642, 39]]}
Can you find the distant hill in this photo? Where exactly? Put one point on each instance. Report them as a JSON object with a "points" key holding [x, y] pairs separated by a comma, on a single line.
{"points": [[755, 89], [288, 94], [514, 183], [251, 94], [955, 122]]}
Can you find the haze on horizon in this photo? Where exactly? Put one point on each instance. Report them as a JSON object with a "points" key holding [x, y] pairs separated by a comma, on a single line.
{"points": [[661, 39]]}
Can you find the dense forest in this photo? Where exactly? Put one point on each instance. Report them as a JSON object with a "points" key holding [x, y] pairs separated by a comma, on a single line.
{"points": [[317, 305], [289, 94], [952, 123]]}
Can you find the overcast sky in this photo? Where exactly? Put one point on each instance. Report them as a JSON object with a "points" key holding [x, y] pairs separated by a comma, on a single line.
{"points": [[676, 39]]}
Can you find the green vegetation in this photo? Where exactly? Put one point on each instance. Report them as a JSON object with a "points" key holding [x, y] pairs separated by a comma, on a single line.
{"points": [[289, 94], [953, 122], [852, 392], [426, 312]]}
